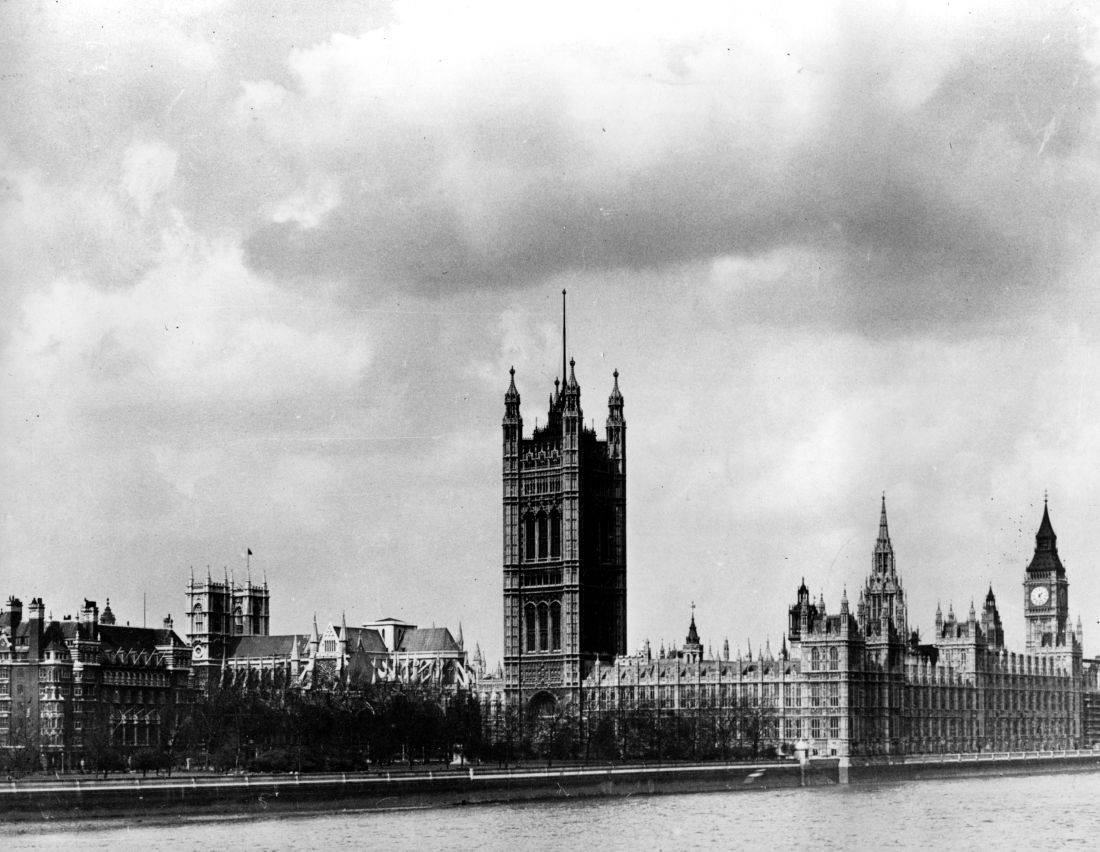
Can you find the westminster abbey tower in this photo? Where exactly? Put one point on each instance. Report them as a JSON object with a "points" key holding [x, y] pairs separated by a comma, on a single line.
{"points": [[564, 544]]}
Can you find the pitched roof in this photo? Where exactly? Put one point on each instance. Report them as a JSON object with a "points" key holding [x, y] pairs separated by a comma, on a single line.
{"points": [[259, 647], [126, 638], [371, 640], [428, 640], [1046, 557]]}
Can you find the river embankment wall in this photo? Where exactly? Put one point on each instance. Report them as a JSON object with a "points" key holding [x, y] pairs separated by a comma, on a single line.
{"points": [[82, 798], [389, 790], [975, 765]]}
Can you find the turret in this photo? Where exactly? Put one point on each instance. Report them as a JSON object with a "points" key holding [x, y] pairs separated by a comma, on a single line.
{"points": [[15, 607], [511, 400], [89, 613], [693, 648], [616, 425]]}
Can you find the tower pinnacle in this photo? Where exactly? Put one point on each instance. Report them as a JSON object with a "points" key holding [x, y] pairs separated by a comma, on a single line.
{"points": [[884, 550]]}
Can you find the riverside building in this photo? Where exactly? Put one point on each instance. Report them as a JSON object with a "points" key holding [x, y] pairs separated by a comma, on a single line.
{"points": [[72, 686], [564, 545], [859, 681], [228, 625], [854, 681]]}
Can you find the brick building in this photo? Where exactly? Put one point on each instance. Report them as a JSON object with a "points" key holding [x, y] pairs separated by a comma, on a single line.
{"points": [[71, 685]]}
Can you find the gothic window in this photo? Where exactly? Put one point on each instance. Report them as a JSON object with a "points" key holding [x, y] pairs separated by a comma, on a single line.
{"points": [[834, 659], [815, 659], [529, 619], [529, 537], [555, 626], [238, 621], [543, 536], [544, 627], [198, 619], [555, 535]]}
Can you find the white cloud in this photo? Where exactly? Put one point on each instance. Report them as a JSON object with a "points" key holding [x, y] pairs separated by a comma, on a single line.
{"points": [[148, 171]]}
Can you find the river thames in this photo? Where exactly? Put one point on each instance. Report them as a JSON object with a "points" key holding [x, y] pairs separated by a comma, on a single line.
{"points": [[1018, 812]]}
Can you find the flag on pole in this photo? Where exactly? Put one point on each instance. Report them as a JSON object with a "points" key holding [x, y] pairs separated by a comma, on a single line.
{"points": [[250, 551]]}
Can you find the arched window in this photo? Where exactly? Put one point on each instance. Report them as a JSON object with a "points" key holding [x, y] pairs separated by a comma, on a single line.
{"points": [[238, 621], [529, 619], [198, 620], [544, 538], [529, 537], [544, 627], [815, 658], [555, 626], [555, 535], [834, 659]]}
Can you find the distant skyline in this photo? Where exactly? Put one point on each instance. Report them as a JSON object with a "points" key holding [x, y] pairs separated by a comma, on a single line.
{"points": [[264, 274]]}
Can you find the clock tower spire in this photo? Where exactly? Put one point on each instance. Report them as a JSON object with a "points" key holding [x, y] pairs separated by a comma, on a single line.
{"points": [[1046, 592]]}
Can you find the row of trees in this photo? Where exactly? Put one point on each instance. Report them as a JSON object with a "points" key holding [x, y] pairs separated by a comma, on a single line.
{"points": [[385, 725], [745, 729], [228, 728]]}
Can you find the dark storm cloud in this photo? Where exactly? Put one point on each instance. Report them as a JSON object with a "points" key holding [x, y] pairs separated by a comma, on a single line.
{"points": [[943, 187]]}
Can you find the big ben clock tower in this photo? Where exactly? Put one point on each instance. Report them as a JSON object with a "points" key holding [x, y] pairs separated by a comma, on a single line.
{"points": [[1046, 593]]}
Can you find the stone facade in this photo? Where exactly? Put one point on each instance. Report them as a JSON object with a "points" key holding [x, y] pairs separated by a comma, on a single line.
{"points": [[862, 683], [68, 686], [564, 545], [231, 646]]}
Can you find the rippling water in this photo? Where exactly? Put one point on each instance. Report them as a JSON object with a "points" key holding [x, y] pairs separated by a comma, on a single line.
{"points": [[1042, 811]]}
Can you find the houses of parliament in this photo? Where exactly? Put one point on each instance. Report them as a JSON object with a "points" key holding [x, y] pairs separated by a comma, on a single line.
{"points": [[852, 679]]}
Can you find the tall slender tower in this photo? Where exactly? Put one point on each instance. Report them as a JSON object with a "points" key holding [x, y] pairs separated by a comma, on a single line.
{"points": [[564, 544], [1046, 592]]}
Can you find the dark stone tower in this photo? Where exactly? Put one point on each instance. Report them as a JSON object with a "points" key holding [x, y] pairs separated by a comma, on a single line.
{"points": [[564, 545], [1046, 592], [219, 611]]}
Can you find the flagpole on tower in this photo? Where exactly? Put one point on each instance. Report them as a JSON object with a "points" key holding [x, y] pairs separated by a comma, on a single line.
{"points": [[248, 565], [563, 355]]}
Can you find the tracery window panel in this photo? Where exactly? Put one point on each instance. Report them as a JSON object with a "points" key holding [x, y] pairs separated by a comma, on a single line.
{"points": [[555, 535], [529, 537], [544, 627], [555, 626], [529, 619], [543, 536]]}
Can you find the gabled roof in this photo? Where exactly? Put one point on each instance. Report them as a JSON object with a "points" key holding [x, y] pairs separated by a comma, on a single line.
{"points": [[428, 640], [363, 637], [260, 647], [114, 637]]}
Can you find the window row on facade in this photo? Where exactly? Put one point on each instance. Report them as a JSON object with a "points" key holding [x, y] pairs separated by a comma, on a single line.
{"points": [[542, 626]]}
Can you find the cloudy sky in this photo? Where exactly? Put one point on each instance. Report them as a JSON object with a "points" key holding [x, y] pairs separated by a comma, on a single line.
{"points": [[264, 273]]}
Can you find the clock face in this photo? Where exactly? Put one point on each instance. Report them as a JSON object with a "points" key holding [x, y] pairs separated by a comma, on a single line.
{"points": [[198, 651], [1040, 595]]}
